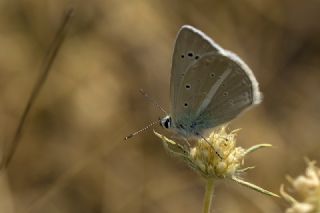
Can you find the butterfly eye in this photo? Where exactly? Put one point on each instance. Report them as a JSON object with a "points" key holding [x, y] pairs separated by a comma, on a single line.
{"points": [[167, 123]]}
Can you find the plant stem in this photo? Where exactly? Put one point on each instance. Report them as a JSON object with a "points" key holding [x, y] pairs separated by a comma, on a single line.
{"points": [[207, 201], [46, 67]]}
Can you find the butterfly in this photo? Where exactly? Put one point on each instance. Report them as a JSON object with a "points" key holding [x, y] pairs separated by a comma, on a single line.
{"points": [[209, 85]]}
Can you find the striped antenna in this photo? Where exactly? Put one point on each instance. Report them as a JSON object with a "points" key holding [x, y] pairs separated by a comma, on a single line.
{"points": [[141, 130], [151, 124], [152, 101]]}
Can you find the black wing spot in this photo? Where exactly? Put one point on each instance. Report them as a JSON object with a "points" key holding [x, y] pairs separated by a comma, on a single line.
{"points": [[188, 86], [212, 75], [185, 105], [196, 57], [225, 93], [190, 54], [182, 56]]}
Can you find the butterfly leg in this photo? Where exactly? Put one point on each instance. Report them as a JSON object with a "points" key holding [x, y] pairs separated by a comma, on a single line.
{"points": [[187, 145], [218, 154]]}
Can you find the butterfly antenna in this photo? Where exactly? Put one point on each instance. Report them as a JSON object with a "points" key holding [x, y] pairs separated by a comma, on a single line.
{"points": [[141, 130], [155, 103]]}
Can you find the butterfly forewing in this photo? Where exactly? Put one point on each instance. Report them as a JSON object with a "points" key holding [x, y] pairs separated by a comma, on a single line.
{"points": [[191, 44], [201, 77]]}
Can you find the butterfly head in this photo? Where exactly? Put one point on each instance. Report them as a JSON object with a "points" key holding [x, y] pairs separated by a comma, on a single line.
{"points": [[166, 122]]}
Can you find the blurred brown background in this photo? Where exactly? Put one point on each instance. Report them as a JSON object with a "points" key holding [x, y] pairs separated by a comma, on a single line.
{"points": [[71, 156]]}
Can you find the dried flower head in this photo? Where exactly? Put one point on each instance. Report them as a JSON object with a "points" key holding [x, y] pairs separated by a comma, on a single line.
{"points": [[307, 187], [216, 157]]}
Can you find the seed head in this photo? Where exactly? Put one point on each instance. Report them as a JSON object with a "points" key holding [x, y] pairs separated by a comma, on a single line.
{"points": [[216, 157], [307, 187]]}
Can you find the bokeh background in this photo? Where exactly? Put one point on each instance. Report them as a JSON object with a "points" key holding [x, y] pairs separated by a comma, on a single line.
{"points": [[72, 158]]}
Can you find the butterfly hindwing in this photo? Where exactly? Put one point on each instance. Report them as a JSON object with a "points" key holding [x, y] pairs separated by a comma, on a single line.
{"points": [[215, 90], [237, 91]]}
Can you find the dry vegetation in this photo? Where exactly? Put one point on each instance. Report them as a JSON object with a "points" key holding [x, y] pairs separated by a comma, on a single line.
{"points": [[71, 157]]}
